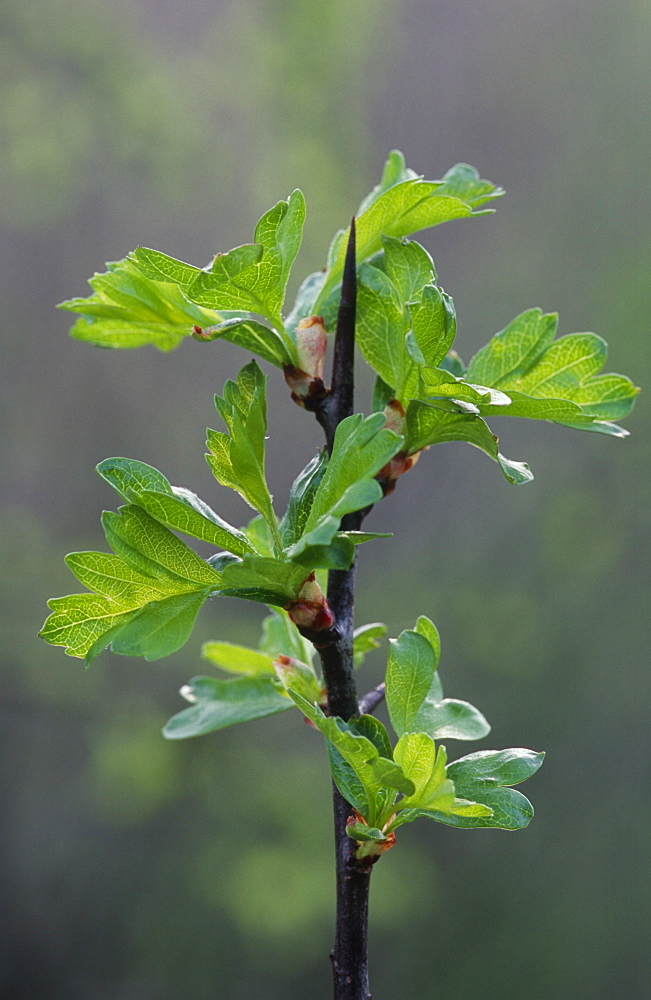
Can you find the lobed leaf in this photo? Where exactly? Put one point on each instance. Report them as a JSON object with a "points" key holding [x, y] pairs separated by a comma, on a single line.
{"points": [[148, 593], [551, 379], [129, 309], [237, 457], [255, 277], [410, 672], [427, 424], [173, 506]]}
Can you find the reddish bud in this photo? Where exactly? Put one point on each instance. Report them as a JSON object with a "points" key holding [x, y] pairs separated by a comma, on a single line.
{"points": [[305, 379], [310, 610]]}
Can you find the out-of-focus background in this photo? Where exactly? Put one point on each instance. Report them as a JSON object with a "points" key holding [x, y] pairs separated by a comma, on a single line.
{"points": [[136, 869]]}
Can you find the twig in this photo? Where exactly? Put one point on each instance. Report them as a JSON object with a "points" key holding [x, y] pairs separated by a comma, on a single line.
{"points": [[370, 701]]}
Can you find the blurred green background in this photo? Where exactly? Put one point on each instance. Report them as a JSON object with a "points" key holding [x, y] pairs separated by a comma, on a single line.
{"points": [[136, 869]]}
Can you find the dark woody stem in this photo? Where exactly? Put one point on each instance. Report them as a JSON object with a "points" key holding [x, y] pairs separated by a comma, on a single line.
{"points": [[350, 953]]}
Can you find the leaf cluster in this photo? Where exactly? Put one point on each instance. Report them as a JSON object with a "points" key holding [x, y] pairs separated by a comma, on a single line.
{"points": [[147, 593]]}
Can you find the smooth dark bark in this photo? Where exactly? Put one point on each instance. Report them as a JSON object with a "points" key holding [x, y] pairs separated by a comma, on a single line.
{"points": [[350, 953]]}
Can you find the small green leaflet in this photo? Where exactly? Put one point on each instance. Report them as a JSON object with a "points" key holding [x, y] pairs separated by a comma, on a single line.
{"points": [[414, 693], [128, 309], [254, 278], [374, 773], [549, 379], [238, 659], [404, 206], [362, 446], [173, 506], [146, 596], [280, 637], [408, 265], [428, 424], [486, 777], [237, 457], [365, 639], [217, 704], [425, 766], [410, 673]]}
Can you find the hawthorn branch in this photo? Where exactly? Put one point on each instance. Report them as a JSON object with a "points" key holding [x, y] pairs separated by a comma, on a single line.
{"points": [[350, 953]]}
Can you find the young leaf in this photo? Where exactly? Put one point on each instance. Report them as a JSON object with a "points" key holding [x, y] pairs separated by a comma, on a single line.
{"points": [[426, 425], [405, 207], [128, 309], [552, 380], [365, 639], [434, 325], [153, 550], [408, 265], [410, 672], [238, 659], [380, 327], [282, 578], [252, 336], [237, 457], [301, 497], [259, 285], [485, 777], [217, 704], [362, 446], [417, 755], [280, 637], [373, 772], [173, 506]]}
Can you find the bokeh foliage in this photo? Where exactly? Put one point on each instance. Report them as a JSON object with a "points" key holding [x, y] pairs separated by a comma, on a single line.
{"points": [[128, 871]]}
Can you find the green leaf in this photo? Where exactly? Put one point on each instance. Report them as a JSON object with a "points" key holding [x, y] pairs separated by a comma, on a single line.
{"points": [[551, 380], [417, 755], [160, 629], [365, 639], [238, 659], [159, 267], [484, 777], [451, 719], [410, 672], [252, 336], [258, 283], [380, 327], [148, 593], [434, 325], [361, 832], [237, 457], [153, 550], [217, 704], [402, 207], [129, 309], [426, 425], [282, 578], [395, 170], [408, 265], [362, 446], [425, 627], [301, 497], [173, 506], [463, 181], [375, 773]]}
